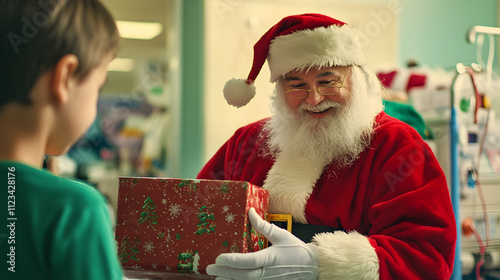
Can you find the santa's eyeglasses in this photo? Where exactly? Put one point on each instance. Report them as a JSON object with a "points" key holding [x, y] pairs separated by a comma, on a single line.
{"points": [[324, 90]]}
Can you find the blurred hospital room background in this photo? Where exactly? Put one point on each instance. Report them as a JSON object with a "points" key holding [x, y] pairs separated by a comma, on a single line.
{"points": [[162, 113]]}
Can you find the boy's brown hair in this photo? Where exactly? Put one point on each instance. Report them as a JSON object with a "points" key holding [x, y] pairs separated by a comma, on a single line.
{"points": [[36, 34]]}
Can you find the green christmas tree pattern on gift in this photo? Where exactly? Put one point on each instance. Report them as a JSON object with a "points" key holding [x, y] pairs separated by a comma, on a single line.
{"points": [[188, 262], [207, 221], [224, 187], [149, 213], [164, 233], [248, 237], [187, 184], [235, 248], [134, 182], [127, 251]]}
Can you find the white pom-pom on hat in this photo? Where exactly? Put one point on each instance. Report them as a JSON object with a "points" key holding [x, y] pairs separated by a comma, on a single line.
{"points": [[238, 92]]}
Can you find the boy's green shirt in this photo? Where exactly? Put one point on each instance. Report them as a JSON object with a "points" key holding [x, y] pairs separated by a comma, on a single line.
{"points": [[53, 228]]}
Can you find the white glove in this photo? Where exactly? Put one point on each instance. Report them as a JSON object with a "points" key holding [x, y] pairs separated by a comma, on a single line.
{"points": [[287, 258]]}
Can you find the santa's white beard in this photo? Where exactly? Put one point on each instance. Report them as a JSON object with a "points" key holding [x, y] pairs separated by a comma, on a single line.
{"points": [[337, 138]]}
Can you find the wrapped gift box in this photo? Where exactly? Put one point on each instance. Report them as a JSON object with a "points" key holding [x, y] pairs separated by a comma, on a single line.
{"points": [[174, 228]]}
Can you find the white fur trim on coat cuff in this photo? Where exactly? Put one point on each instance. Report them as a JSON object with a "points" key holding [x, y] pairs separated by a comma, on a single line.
{"points": [[346, 256]]}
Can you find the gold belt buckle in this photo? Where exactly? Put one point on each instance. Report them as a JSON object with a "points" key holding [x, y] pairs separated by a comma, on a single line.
{"points": [[279, 218]]}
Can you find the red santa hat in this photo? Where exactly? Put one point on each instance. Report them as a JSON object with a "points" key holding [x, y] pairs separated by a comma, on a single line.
{"points": [[298, 42]]}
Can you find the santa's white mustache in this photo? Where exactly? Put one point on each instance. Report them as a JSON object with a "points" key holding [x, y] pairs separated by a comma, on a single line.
{"points": [[321, 107]]}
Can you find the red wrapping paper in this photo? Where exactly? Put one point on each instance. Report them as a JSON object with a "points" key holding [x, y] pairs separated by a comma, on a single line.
{"points": [[174, 228]]}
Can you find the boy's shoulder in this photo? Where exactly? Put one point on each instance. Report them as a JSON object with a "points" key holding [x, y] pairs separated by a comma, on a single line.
{"points": [[36, 183]]}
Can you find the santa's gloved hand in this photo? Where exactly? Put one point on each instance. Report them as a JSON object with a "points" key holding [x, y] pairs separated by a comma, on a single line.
{"points": [[287, 258]]}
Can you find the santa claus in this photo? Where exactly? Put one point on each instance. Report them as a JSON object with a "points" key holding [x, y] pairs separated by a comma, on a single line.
{"points": [[333, 159]]}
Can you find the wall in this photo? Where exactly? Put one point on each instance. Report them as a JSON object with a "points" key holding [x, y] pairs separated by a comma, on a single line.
{"points": [[433, 32], [191, 97]]}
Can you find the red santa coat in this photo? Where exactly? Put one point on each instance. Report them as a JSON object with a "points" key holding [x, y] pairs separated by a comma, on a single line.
{"points": [[393, 204]]}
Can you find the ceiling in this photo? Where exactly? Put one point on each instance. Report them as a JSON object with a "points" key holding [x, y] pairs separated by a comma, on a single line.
{"points": [[141, 51]]}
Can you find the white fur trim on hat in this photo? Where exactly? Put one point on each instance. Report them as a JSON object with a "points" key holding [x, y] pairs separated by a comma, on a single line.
{"points": [[345, 256], [320, 47], [238, 92]]}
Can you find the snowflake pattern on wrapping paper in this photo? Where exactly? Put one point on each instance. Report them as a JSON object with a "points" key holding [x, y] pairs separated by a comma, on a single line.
{"points": [[230, 217], [225, 208], [175, 210], [155, 265], [164, 201], [148, 247], [168, 238]]}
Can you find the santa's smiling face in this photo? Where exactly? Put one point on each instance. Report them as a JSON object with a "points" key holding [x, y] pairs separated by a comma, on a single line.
{"points": [[307, 89], [325, 128]]}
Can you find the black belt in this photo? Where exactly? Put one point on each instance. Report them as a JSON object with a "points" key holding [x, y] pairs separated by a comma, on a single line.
{"points": [[306, 232]]}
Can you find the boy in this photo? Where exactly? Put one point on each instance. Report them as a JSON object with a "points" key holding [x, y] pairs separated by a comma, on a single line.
{"points": [[53, 59]]}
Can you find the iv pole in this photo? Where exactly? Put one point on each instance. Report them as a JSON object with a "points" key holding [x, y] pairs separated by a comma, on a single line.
{"points": [[455, 191], [473, 38], [473, 31]]}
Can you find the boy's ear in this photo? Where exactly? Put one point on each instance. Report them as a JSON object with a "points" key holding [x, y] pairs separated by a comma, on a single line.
{"points": [[63, 77]]}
